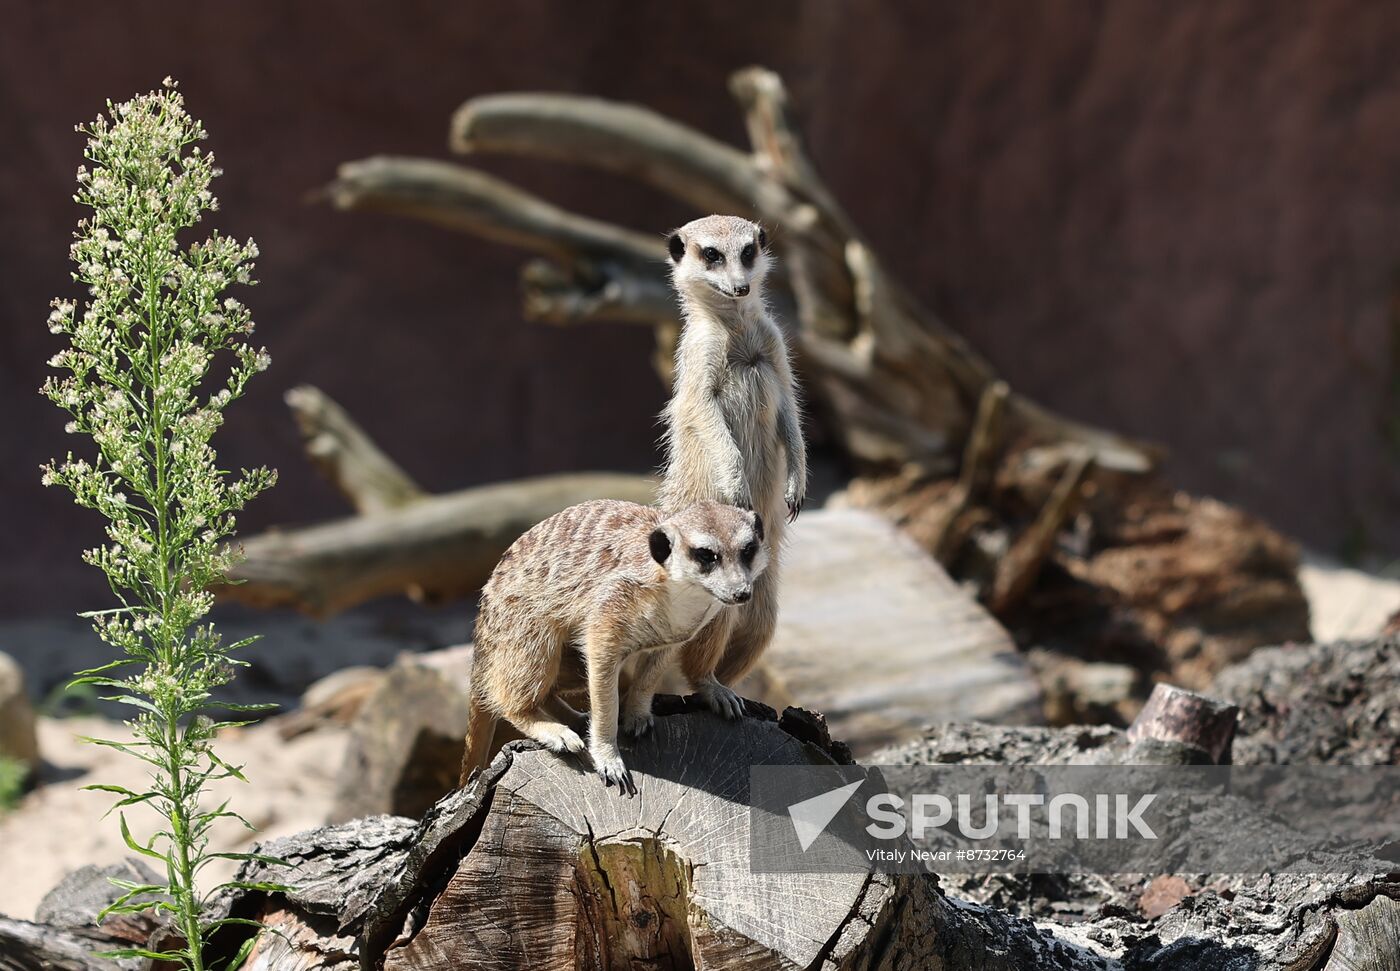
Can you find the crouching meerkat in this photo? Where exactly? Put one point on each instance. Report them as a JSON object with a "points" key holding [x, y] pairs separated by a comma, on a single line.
{"points": [[733, 429], [584, 592]]}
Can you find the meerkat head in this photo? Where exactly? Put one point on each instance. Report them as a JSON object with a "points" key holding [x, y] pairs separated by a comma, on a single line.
{"points": [[721, 258], [715, 546]]}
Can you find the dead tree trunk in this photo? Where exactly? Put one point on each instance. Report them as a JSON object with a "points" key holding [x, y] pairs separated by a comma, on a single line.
{"points": [[404, 541]]}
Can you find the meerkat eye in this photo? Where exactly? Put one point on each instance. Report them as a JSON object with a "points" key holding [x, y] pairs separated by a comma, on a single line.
{"points": [[712, 255], [747, 254], [750, 551], [705, 557]]}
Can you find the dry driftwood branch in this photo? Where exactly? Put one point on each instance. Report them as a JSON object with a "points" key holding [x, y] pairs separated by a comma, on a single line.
{"points": [[1018, 569], [623, 138], [457, 197], [599, 270], [978, 466], [346, 456], [434, 548], [899, 386], [428, 547]]}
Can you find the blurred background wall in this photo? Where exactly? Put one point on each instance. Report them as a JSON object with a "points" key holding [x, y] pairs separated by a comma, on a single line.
{"points": [[1179, 219]]}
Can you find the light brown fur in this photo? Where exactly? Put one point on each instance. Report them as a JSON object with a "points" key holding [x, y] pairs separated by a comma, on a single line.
{"points": [[612, 580], [733, 428]]}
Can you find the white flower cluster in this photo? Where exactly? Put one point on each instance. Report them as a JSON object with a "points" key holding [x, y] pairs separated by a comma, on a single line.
{"points": [[155, 354], [145, 375]]}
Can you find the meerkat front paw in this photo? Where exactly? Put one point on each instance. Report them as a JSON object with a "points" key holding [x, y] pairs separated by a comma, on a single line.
{"points": [[794, 506], [611, 769], [721, 700], [637, 723], [562, 740], [794, 498]]}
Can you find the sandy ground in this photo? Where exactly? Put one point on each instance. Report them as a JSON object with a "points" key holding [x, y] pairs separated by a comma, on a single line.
{"points": [[57, 828]]}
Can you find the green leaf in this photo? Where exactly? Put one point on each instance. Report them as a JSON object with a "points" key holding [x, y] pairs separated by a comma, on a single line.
{"points": [[125, 905], [131, 842], [134, 702], [233, 770], [108, 787], [227, 814], [241, 954], [130, 749], [141, 952]]}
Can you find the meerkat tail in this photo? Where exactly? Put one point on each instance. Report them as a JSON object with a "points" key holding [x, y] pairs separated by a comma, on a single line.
{"points": [[481, 732]]}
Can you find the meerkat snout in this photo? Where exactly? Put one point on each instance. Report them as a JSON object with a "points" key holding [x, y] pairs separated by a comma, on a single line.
{"points": [[723, 255]]}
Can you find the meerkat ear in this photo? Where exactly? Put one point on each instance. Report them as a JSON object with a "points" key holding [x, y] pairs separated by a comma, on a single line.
{"points": [[677, 247], [758, 527], [762, 239], [660, 546]]}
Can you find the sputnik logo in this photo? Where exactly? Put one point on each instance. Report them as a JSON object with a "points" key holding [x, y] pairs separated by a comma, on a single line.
{"points": [[811, 816]]}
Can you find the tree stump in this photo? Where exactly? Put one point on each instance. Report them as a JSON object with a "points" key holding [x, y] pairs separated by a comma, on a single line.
{"points": [[538, 865]]}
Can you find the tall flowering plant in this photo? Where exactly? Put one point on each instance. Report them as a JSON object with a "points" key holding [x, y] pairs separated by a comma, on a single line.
{"points": [[155, 355]]}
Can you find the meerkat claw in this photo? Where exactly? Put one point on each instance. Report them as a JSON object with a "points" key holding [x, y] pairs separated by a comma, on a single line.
{"points": [[611, 769], [722, 701], [794, 508], [638, 725]]}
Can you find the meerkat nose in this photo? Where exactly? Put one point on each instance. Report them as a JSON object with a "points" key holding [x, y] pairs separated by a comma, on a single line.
{"points": [[742, 290], [743, 596]]}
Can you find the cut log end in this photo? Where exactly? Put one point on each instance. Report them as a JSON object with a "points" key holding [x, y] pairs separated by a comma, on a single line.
{"points": [[1176, 715]]}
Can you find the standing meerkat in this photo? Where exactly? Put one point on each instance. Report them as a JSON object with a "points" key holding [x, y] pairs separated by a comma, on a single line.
{"points": [[611, 580], [733, 428]]}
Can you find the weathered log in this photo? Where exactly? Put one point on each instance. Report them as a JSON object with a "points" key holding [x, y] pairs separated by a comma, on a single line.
{"points": [[294, 941], [433, 548], [1368, 939], [1193, 922], [346, 456], [1330, 703], [537, 865], [875, 634], [27, 946], [1150, 740], [65, 934]]}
